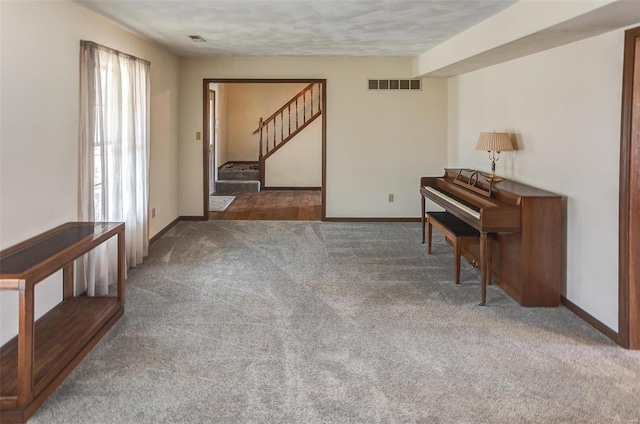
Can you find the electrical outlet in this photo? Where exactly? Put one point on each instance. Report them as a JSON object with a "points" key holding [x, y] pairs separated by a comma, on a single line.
{"points": [[153, 212], [391, 197]]}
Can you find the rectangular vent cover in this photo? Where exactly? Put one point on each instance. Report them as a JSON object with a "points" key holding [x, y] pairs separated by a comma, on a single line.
{"points": [[395, 84]]}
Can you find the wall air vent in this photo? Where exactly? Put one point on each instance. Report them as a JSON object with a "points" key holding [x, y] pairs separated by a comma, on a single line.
{"points": [[395, 84], [197, 39]]}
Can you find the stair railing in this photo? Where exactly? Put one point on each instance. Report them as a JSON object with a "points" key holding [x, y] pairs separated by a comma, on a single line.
{"points": [[282, 126]]}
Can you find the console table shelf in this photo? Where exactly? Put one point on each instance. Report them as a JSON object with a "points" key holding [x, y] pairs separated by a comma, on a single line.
{"points": [[44, 352]]}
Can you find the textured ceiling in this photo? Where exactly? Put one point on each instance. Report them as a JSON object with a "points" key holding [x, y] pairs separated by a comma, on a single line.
{"points": [[298, 28]]}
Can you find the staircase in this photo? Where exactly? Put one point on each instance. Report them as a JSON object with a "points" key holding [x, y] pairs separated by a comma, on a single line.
{"points": [[274, 132], [285, 123], [238, 177]]}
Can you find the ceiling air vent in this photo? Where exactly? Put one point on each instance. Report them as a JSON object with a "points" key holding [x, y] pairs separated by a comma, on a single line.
{"points": [[395, 84], [197, 39]]}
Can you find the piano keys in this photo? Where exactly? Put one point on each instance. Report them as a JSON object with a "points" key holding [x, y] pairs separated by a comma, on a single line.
{"points": [[522, 225], [452, 200]]}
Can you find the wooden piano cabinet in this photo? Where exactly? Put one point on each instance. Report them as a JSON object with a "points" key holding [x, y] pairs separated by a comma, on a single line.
{"points": [[528, 265], [38, 359], [526, 244]]}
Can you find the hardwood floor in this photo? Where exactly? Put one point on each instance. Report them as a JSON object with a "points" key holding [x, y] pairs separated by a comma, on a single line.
{"points": [[282, 205]]}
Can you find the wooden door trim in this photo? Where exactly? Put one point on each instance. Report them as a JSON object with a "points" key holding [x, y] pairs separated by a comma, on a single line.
{"points": [[205, 155], [629, 229]]}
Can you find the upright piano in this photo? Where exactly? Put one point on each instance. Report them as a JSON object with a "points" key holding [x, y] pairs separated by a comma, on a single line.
{"points": [[521, 225]]}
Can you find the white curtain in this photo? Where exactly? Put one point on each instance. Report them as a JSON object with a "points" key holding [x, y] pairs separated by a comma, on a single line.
{"points": [[114, 158]]}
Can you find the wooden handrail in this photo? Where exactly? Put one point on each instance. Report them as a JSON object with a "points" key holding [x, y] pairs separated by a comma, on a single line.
{"points": [[293, 99], [293, 134]]}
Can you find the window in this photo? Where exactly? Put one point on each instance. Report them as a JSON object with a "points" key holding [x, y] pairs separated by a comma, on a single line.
{"points": [[114, 152]]}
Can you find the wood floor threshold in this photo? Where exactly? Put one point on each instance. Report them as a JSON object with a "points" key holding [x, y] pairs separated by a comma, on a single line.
{"points": [[291, 188], [590, 319]]}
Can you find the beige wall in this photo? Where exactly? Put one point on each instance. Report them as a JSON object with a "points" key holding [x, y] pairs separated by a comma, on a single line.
{"points": [[222, 110], [377, 142], [39, 134], [221, 123], [299, 162], [563, 106], [247, 104]]}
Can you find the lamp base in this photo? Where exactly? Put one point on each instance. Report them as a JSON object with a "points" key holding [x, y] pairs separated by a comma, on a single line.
{"points": [[492, 177]]}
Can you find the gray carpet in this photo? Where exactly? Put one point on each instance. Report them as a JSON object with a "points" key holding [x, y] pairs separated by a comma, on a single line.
{"points": [[220, 203], [299, 322]]}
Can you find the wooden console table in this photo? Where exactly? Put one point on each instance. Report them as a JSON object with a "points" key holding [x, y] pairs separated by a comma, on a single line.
{"points": [[38, 359]]}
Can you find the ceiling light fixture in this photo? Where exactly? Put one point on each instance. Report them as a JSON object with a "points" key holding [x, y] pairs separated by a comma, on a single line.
{"points": [[197, 39]]}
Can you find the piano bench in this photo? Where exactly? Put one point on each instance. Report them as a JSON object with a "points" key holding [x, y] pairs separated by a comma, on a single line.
{"points": [[455, 230]]}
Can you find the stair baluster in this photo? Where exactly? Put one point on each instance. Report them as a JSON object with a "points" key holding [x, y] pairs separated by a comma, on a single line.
{"points": [[260, 124]]}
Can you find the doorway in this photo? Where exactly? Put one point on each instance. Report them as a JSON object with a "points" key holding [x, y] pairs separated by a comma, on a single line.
{"points": [[217, 158], [629, 224]]}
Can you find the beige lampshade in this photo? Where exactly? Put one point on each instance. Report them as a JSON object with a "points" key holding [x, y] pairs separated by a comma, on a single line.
{"points": [[494, 142]]}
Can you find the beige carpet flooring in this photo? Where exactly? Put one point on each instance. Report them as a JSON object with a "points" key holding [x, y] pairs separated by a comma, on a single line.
{"points": [[309, 322]]}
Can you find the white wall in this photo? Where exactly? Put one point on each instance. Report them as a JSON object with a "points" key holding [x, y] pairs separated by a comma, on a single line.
{"points": [[247, 104], [563, 105], [39, 134], [222, 110], [526, 27], [377, 142], [299, 162], [222, 122]]}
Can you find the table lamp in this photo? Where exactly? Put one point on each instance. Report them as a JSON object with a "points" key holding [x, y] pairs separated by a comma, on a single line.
{"points": [[494, 143]]}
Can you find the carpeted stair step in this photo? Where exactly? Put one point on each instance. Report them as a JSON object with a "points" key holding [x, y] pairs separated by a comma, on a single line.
{"points": [[239, 174], [237, 186]]}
